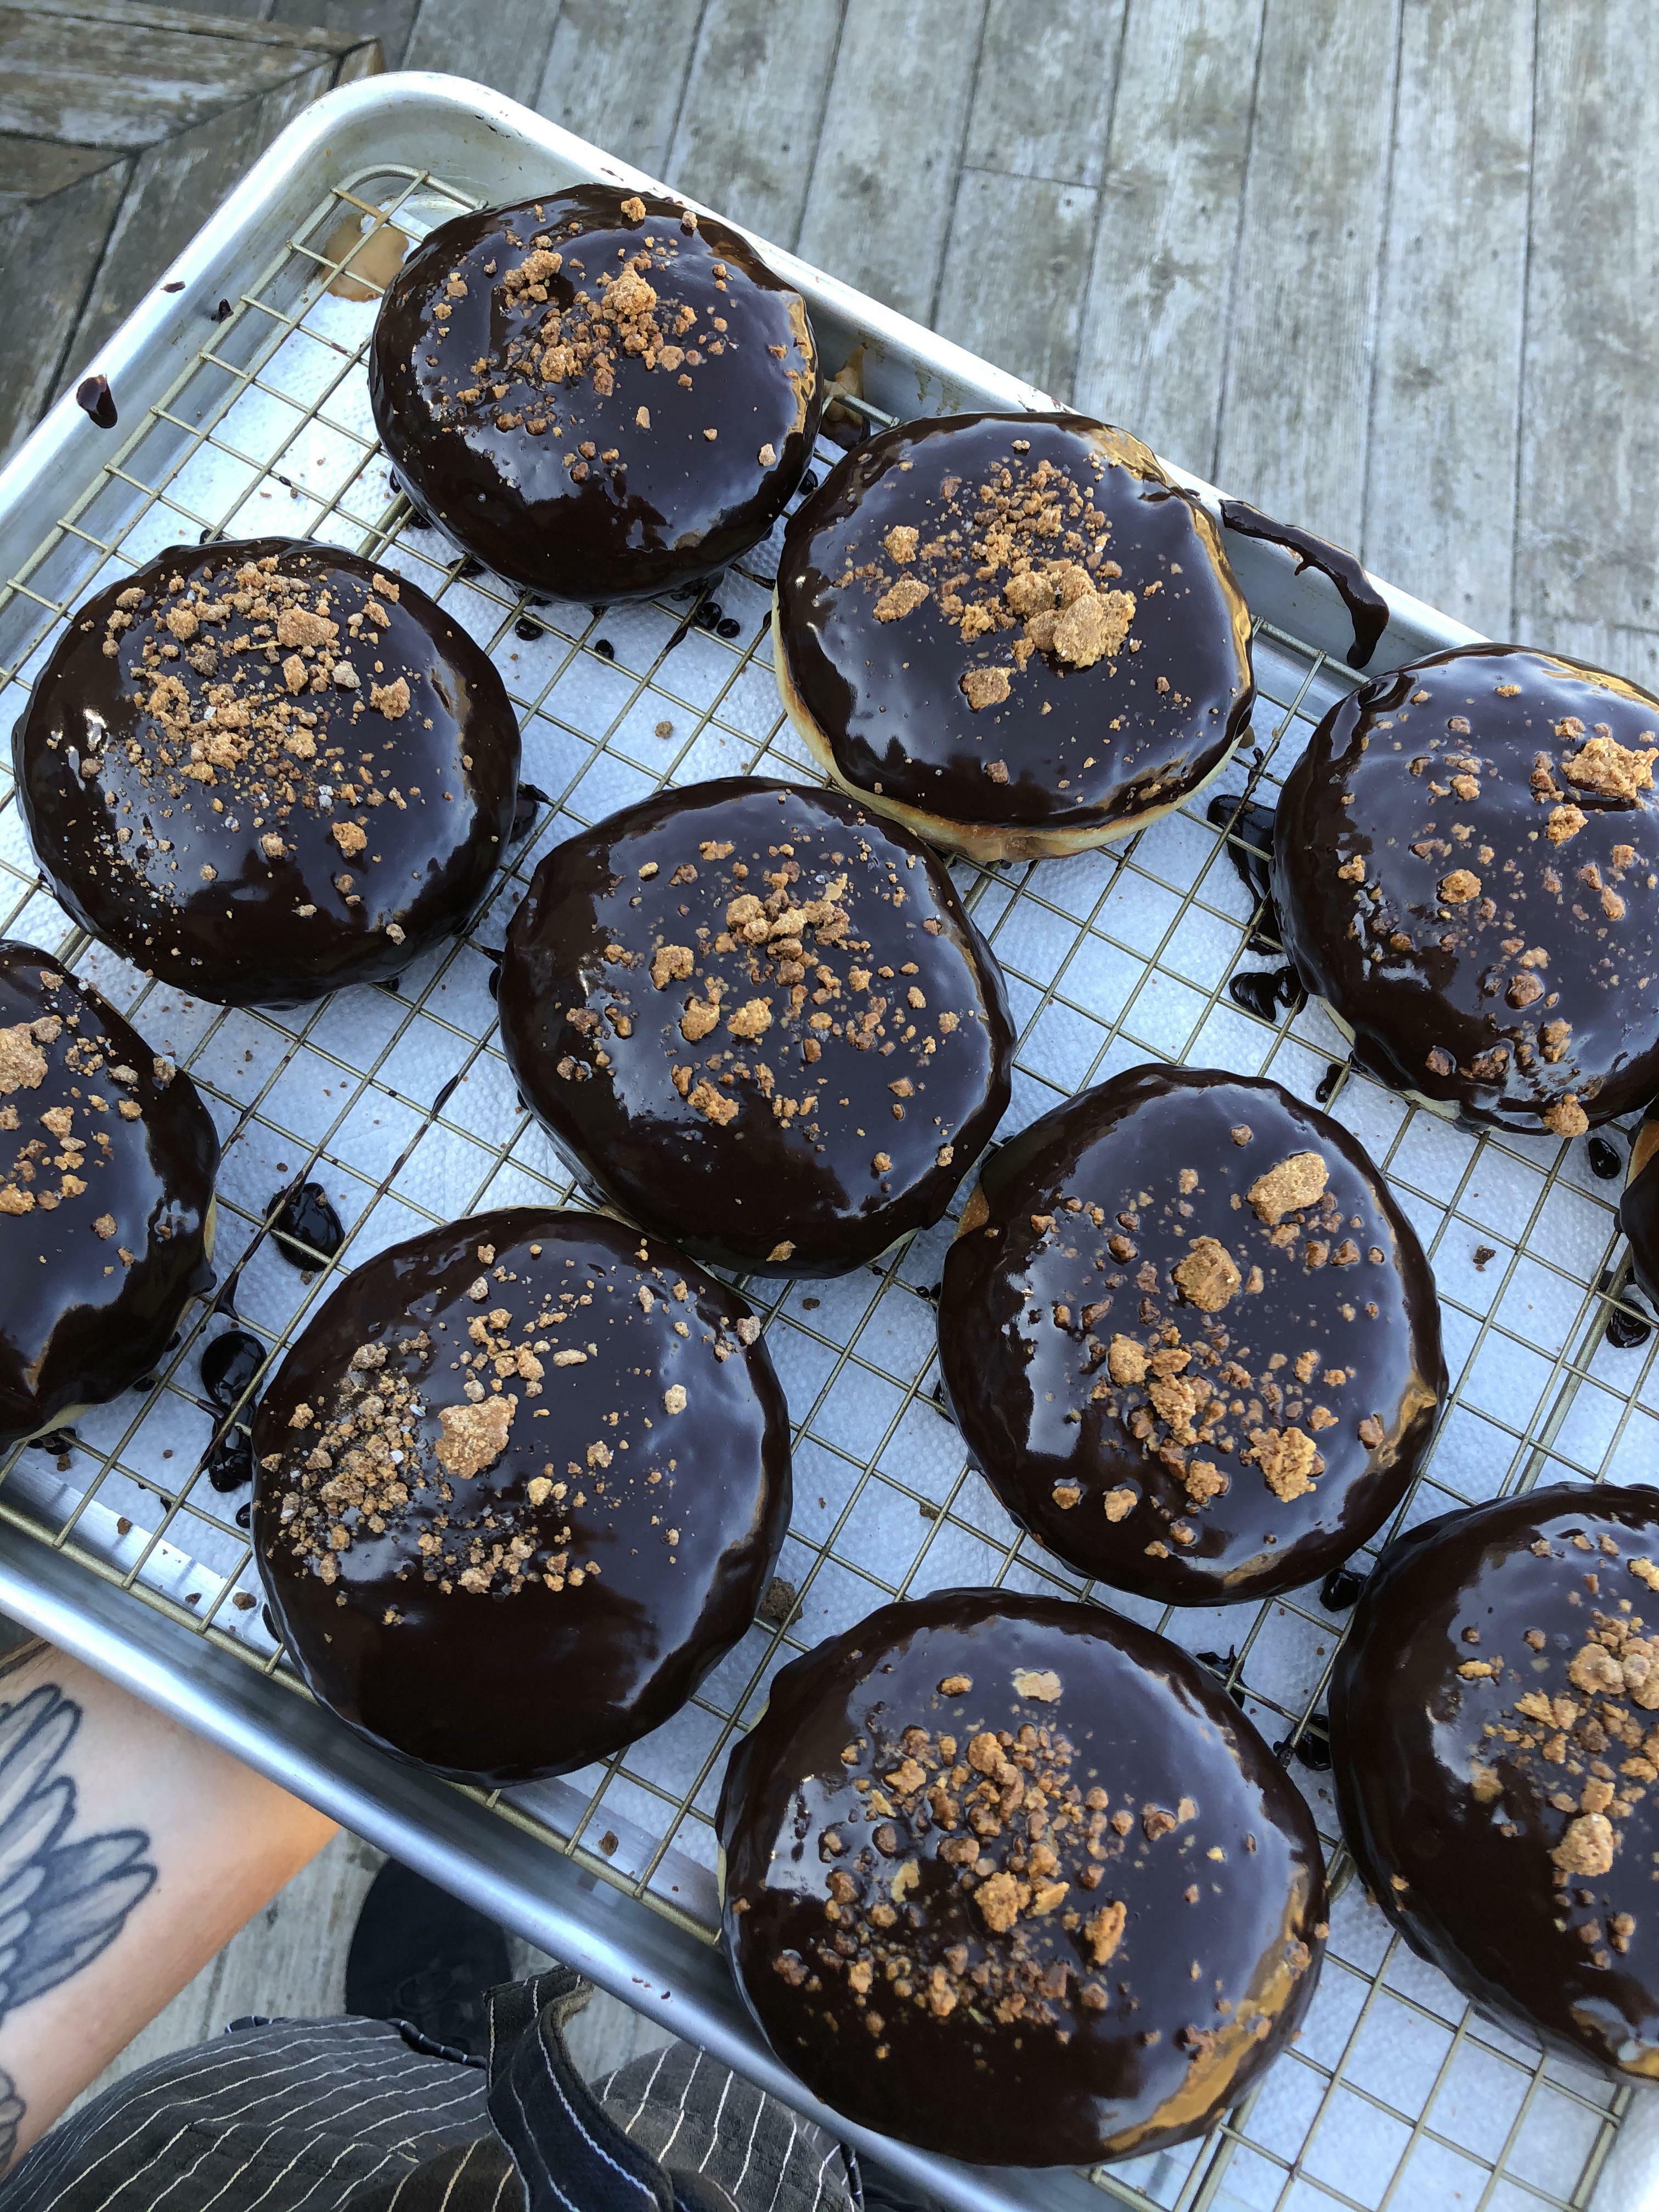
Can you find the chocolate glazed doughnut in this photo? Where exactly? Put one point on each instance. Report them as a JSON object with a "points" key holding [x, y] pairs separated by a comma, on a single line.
{"points": [[1013, 632], [520, 1483], [761, 1020], [1492, 1721], [262, 771], [1009, 1878], [598, 393], [107, 1157], [1466, 867], [1190, 1338]]}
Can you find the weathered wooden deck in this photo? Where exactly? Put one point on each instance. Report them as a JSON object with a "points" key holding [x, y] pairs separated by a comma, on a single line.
{"points": [[1383, 266]]}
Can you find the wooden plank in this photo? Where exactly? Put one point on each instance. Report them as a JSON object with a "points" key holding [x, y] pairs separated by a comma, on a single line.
{"points": [[749, 124], [31, 168], [1042, 104], [1441, 461], [54, 85], [173, 187], [1015, 272], [1587, 534], [386, 20], [878, 207], [616, 75], [50, 250], [1151, 354], [1296, 398], [236, 20], [504, 45]]}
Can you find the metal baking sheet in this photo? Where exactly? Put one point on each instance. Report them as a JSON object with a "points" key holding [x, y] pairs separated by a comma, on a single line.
{"points": [[253, 417]]}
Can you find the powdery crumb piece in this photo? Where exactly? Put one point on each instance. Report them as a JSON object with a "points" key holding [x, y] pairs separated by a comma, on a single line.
{"points": [[1294, 1182], [955, 1685], [701, 1016], [767, 455], [392, 699], [1119, 1504], [104, 1226], [986, 687], [752, 1019], [1001, 1900], [1645, 1571], [1126, 1360], [1586, 1848], [712, 1104], [905, 597], [348, 837], [1207, 1276], [1040, 1683], [785, 1250], [901, 541], [1458, 888], [1564, 822], [670, 963], [345, 677], [642, 418], [272, 846], [474, 1436], [1093, 627], [1566, 1117], [22, 1063], [1104, 1931], [1603, 764], [997, 771], [634, 210], [1288, 1458], [673, 1397]]}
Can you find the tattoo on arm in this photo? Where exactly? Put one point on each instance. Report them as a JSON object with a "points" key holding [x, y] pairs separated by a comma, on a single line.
{"points": [[61, 1902]]}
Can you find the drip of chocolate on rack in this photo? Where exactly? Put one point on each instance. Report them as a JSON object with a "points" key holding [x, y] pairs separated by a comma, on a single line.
{"points": [[1223, 1666], [1334, 1071], [94, 396], [61, 1442], [1367, 608], [445, 1094], [229, 1363], [229, 1463], [529, 628], [305, 1225], [530, 796], [604, 647], [1263, 991], [1604, 1160], [1341, 1589], [1312, 1747], [1249, 827]]}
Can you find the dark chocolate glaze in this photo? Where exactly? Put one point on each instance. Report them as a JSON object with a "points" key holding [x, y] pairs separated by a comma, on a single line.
{"points": [[1367, 608], [1512, 972], [1445, 1785], [514, 1679], [172, 869], [1638, 1207], [886, 695], [911, 1062], [656, 503], [1337, 1350], [100, 1276], [1059, 2060]]}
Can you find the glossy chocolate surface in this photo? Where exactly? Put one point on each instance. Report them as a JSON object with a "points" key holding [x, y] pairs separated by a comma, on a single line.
{"points": [[1077, 1933], [1493, 1720], [1638, 1206], [759, 1018], [592, 442], [1072, 745], [1125, 1330], [253, 809], [1467, 868], [1368, 609], [107, 1157], [520, 1614]]}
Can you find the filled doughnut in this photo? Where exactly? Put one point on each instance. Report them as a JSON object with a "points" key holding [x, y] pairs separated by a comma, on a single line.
{"points": [[262, 771], [520, 1484], [598, 394], [1013, 632], [1190, 1338], [760, 1019]]}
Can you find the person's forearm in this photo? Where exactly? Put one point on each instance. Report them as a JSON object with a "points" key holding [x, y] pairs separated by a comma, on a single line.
{"points": [[130, 1851]]}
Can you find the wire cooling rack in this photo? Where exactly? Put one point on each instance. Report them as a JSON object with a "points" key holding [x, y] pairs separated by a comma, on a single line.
{"points": [[399, 1102]]}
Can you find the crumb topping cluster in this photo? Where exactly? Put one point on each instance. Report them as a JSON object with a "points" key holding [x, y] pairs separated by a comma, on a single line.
{"points": [[1170, 1354], [1492, 902], [761, 975], [573, 315], [1022, 1915], [266, 700], [368, 1463], [53, 1157], [1577, 1730], [1018, 563]]}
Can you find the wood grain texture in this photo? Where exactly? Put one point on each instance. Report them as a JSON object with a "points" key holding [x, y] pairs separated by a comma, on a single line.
{"points": [[1152, 353], [1041, 103], [754, 103], [169, 186], [50, 250], [1297, 400], [386, 20], [1587, 540], [31, 168], [616, 74], [504, 45], [1016, 268], [879, 209], [1441, 464]]}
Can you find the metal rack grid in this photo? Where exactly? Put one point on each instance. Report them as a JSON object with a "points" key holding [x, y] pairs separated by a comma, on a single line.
{"points": [[1396, 2093]]}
